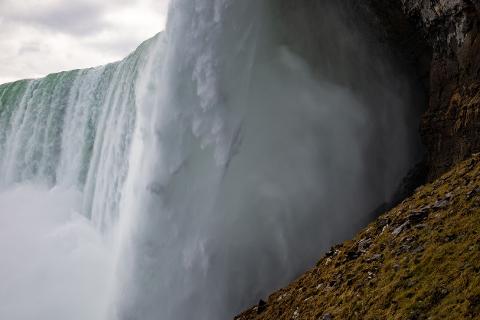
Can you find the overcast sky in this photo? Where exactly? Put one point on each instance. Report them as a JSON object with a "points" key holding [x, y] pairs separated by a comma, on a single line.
{"points": [[38, 37]]}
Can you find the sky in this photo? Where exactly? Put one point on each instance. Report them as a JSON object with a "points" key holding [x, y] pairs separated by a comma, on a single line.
{"points": [[38, 37]]}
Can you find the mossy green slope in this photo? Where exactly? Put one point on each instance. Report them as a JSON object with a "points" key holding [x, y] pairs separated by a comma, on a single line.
{"points": [[420, 260]]}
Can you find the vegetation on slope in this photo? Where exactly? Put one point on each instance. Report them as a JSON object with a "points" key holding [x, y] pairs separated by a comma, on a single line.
{"points": [[420, 260]]}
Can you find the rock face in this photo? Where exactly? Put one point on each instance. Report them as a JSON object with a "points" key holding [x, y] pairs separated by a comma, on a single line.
{"points": [[446, 44], [420, 260]]}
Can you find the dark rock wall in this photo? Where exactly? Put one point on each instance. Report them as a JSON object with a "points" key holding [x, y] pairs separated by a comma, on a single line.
{"points": [[451, 126], [442, 38]]}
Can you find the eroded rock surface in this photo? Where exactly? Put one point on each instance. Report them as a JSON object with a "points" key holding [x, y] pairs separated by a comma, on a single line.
{"points": [[447, 31]]}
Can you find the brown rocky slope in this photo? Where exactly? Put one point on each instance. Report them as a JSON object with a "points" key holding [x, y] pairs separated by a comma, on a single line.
{"points": [[420, 260]]}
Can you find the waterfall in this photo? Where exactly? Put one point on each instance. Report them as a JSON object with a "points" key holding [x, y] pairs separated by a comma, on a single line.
{"points": [[65, 144], [223, 156], [74, 129]]}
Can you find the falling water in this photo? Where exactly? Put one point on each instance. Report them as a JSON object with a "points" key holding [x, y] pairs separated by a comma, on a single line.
{"points": [[65, 142], [223, 156]]}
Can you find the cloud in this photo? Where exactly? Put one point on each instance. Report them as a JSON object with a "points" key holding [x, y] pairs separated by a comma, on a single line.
{"points": [[29, 47], [79, 18], [38, 37]]}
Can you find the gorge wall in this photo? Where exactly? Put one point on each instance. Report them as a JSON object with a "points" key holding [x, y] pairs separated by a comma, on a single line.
{"points": [[441, 41]]}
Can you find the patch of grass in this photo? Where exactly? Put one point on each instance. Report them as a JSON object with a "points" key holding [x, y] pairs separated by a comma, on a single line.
{"points": [[422, 262]]}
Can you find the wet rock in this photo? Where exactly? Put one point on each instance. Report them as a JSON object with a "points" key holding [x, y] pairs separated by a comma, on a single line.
{"points": [[410, 283], [450, 237], [283, 296], [421, 226], [426, 208], [440, 204], [436, 296], [326, 316], [332, 252], [296, 314], [473, 193], [383, 222], [474, 305], [352, 255], [418, 216], [261, 306], [364, 244], [418, 249], [375, 257], [399, 229], [404, 248]]}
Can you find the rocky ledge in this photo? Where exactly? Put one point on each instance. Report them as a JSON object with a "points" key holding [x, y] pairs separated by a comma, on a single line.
{"points": [[420, 260]]}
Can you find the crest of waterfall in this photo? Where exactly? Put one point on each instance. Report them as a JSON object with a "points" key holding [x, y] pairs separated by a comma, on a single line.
{"points": [[74, 129], [226, 154]]}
